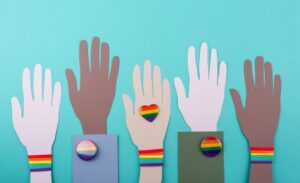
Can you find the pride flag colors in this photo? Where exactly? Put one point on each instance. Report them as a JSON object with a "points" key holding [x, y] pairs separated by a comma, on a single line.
{"points": [[153, 157], [211, 146], [150, 112], [86, 150], [39, 163], [261, 155]]}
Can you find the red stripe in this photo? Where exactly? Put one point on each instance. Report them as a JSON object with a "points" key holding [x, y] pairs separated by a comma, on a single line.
{"points": [[40, 156], [261, 148], [151, 151]]}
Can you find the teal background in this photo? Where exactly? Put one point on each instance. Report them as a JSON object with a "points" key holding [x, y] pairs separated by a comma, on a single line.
{"points": [[48, 32]]}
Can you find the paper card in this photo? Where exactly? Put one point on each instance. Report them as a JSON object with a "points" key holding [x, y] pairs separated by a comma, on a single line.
{"points": [[103, 168], [193, 165]]}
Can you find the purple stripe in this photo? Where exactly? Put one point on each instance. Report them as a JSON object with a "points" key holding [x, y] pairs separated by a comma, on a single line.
{"points": [[261, 162], [40, 169], [151, 164]]}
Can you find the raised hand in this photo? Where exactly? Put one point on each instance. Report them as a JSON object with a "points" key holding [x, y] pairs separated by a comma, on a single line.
{"points": [[146, 134], [259, 118], [93, 100], [36, 126], [202, 106]]}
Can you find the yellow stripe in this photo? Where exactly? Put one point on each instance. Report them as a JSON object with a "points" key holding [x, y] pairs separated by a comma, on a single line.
{"points": [[262, 153], [211, 145], [149, 112], [159, 156], [39, 162], [86, 149]]}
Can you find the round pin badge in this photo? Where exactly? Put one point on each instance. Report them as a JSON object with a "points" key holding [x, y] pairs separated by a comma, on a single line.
{"points": [[87, 150], [211, 146]]}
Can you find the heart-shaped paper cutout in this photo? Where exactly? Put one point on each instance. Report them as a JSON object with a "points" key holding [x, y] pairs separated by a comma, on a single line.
{"points": [[149, 112]]}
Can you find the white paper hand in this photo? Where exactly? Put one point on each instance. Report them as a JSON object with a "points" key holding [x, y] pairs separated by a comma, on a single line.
{"points": [[144, 134], [202, 107], [36, 128]]}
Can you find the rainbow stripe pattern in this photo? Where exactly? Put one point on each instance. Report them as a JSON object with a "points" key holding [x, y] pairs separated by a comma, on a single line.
{"points": [[261, 155], [153, 157], [40, 163], [86, 150], [150, 112], [211, 146]]}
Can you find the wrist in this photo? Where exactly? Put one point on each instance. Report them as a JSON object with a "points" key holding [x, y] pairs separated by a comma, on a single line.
{"points": [[40, 162], [261, 155], [151, 157], [99, 127]]}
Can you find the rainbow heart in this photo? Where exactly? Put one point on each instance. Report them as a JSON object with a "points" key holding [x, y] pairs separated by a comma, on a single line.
{"points": [[149, 112]]}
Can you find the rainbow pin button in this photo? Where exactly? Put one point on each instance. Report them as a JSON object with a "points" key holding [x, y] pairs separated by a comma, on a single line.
{"points": [[211, 146], [149, 113], [87, 150]]}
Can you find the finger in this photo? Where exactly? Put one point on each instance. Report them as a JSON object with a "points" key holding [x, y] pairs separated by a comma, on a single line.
{"points": [[104, 60], [72, 84], [222, 75], [48, 87], [203, 67], [148, 80], [37, 83], [128, 106], [269, 78], [95, 55], [193, 72], [84, 61], [16, 110], [277, 88], [137, 83], [237, 102], [259, 78], [27, 87], [114, 70], [157, 88], [248, 76], [56, 97], [180, 90], [166, 95], [213, 72]]}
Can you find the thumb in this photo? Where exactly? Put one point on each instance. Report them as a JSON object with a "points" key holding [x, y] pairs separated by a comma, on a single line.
{"points": [[180, 90], [128, 106], [72, 84], [16, 113], [237, 102]]}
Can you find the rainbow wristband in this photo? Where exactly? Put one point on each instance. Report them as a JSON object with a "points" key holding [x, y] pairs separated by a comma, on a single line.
{"points": [[261, 155], [40, 163], [153, 157]]}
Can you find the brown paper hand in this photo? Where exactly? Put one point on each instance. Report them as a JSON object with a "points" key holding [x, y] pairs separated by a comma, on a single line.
{"points": [[259, 118], [92, 102]]}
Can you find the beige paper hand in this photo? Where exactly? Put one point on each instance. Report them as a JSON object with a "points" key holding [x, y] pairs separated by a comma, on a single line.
{"points": [[145, 134]]}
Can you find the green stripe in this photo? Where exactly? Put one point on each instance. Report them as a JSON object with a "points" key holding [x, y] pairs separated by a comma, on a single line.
{"points": [[150, 115], [154, 159]]}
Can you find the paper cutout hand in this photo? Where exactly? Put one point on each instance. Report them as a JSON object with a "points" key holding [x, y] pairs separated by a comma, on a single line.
{"points": [[202, 107], [259, 118], [146, 135], [36, 127], [93, 101]]}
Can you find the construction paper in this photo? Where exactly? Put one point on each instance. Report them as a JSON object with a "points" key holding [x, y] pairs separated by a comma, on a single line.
{"points": [[101, 169], [36, 124], [259, 117], [201, 107], [193, 165], [93, 99]]}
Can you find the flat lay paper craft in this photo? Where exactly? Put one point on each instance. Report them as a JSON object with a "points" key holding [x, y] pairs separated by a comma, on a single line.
{"points": [[104, 164], [259, 117], [36, 124], [149, 136], [201, 109], [92, 103]]}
